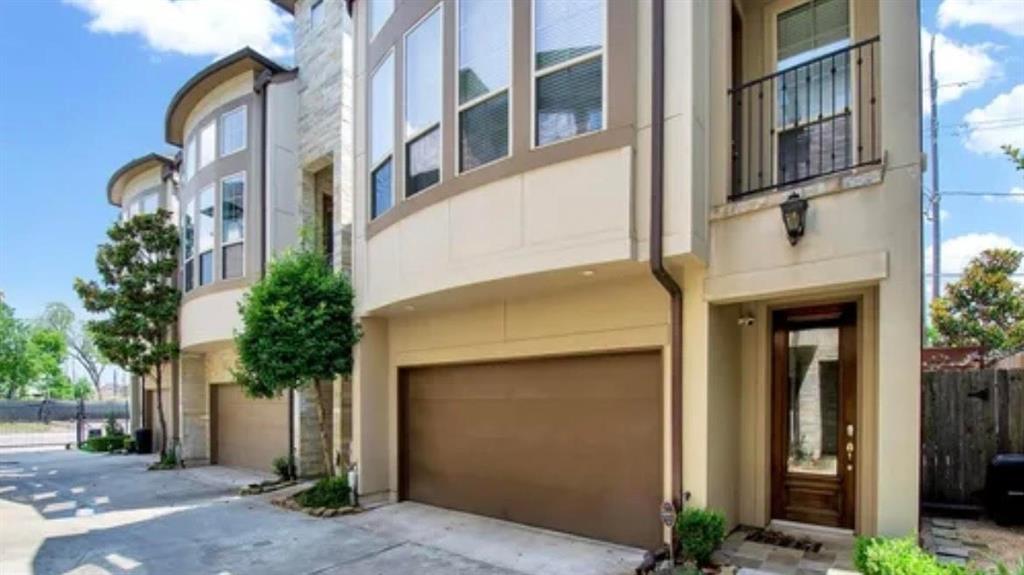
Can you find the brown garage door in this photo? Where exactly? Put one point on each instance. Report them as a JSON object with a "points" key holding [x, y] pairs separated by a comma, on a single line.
{"points": [[571, 444], [249, 432]]}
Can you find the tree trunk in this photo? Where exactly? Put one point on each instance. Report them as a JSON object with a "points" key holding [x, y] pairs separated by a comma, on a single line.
{"points": [[321, 416], [160, 410]]}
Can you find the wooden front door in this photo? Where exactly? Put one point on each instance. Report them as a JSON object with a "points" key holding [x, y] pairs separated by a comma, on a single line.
{"points": [[814, 414]]}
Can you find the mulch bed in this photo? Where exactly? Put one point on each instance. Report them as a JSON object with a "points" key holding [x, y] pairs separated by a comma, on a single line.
{"points": [[779, 539]]}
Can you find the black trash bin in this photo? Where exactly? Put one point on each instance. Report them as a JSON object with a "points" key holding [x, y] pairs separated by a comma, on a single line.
{"points": [[1004, 488], [144, 440]]}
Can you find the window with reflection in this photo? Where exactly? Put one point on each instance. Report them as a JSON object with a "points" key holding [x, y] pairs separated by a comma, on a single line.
{"points": [[232, 230], [568, 68], [207, 144], [232, 131], [483, 81], [380, 11], [190, 158], [188, 248], [382, 136], [316, 14], [205, 233], [149, 203], [423, 104]]}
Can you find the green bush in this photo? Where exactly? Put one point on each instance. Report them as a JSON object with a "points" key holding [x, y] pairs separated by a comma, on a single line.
{"points": [[328, 492], [129, 444], [700, 532], [882, 556], [281, 468], [105, 443]]}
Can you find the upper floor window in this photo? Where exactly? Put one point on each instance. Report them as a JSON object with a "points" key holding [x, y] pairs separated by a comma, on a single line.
{"points": [[423, 104], [569, 37], [382, 136], [207, 144], [205, 233], [149, 203], [316, 14], [483, 81], [190, 158], [232, 232], [232, 131], [188, 249], [380, 11]]}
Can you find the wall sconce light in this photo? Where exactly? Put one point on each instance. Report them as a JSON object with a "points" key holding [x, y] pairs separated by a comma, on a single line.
{"points": [[794, 215]]}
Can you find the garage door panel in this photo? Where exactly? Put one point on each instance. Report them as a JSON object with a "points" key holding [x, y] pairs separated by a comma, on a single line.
{"points": [[571, 444], [249, 432]]}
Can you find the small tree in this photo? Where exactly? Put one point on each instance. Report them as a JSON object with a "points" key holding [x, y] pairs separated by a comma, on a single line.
{"points": [[47, 351], [139, 299], [59, 316], [16, 370], [1015, 156], [985, 307], [297, 330]]}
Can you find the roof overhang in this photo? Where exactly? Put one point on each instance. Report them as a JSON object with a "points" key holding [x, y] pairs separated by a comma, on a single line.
{"points": [[116, 183], [205, 81]]}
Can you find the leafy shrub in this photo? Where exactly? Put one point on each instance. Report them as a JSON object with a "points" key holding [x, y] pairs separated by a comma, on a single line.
{"points": [[129, 444], [281, 468], [883, 556], [111, 427], [328, 492], [104, 443], [700, 531]]}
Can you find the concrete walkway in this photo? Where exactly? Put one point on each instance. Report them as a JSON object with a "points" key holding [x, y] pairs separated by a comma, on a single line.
{"points": [[79, 513]]}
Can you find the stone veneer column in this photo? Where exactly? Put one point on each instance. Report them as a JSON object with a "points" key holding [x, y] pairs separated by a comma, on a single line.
{"points": [[195, 409]]}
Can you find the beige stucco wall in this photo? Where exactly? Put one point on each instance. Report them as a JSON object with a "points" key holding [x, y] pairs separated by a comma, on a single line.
{"points": [[210, 319]]}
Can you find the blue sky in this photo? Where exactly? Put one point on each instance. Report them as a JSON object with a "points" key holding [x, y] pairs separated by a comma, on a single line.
{"points": [[84, 85]]}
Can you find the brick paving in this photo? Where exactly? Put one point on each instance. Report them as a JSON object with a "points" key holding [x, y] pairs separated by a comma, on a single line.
{"points": [[977, 542]]}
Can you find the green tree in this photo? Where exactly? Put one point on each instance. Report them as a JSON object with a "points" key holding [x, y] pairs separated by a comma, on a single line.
{"points": [[16, 371], [47, 351], [59, 316], [297, 330], [985, 306], [1016, 157], [137, 296]]}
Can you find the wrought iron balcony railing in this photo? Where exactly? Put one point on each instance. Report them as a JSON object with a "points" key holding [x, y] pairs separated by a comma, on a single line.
{"points": [[809, 120]]}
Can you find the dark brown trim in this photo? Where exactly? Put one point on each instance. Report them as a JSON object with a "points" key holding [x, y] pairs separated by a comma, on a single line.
{"points": [[506, 167], [657, 248], [138, 164], [244, 59]]}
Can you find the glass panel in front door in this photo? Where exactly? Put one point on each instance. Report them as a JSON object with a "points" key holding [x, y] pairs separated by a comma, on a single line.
{"points": [[813, 413]]}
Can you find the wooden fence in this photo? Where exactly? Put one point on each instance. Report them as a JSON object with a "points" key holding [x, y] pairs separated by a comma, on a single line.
{"points": [[967, 417]]}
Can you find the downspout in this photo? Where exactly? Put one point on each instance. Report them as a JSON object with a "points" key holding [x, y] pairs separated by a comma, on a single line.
{"points": [[657, 248], [260, 86]]}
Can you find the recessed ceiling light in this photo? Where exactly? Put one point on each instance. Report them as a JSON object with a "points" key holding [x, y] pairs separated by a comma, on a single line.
{"points": [[587, 273]]}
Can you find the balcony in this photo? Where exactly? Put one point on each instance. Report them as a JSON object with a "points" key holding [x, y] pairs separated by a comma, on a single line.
{"points": [[813, 119]]}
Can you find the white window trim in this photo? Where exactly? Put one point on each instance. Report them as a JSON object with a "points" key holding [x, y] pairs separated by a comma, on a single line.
{"points": [[245, 131], [483, 97], [390, 155], [439, 125], [186, 260], [535, 75]]}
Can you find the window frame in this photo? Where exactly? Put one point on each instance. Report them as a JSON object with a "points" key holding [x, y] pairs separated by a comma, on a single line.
{"points": [[191, 157], [373, 164], [462, 107], [188, 215], [413, 137], [535, 75], [198, 230], [212, 124], [242, 176], [243, 109]]}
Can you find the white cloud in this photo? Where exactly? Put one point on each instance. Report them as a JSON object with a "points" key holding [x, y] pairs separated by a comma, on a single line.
{"points": [[1005, 15], [957, 252], [195, 27], [960, 67], [999, 123]]}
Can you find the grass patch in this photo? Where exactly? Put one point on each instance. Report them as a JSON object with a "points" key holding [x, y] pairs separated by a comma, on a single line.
{"points": [[332, 492]]}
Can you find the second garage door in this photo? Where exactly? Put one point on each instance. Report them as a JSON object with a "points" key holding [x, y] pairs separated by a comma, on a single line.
{"points": [[571, 444], [248, 432]]}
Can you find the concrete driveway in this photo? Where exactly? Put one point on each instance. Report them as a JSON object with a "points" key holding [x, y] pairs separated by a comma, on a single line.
{"points": [[80, 513]]}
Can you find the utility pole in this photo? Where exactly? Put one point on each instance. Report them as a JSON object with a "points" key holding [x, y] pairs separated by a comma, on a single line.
{"points": [[933, 165]]}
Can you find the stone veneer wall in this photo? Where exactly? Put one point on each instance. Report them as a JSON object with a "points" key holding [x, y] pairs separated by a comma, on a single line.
{"points": [[324, 58]]}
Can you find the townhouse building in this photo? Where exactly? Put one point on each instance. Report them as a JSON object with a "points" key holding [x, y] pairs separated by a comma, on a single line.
{"points": [[613, 254], [606, 254]]}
